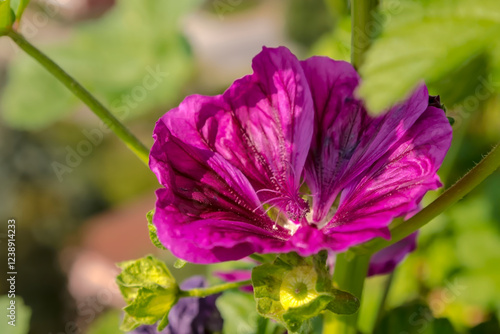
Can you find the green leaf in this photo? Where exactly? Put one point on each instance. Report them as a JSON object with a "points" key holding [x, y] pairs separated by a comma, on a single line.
{"points": [[426, 42], [292, 290], [5, 14], [413, 318], [152, 231], [149, 290], [22, 316], [134, 59]]}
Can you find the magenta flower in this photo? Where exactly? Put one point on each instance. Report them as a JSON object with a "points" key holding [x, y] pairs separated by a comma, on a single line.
{"points": [[288, 159]]}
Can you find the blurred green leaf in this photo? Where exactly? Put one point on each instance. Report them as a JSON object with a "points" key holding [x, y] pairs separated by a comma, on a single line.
{"points": [[426, 42], [336, 45], [414, 318], [22, 316], [306, 21], [134, 59], [495, 64], [149, 290], [240, 315], [106, 324], [462, 82]]}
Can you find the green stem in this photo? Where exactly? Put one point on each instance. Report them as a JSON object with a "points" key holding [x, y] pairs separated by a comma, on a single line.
{"points": [[362, 15], [204, 292], [349, 275], [76, 88], [452, 195]]}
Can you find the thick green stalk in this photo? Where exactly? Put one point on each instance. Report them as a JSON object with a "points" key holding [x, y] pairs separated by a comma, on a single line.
{"points": [[452, 195], [362, 17], [204, 292], [76, 88], [349, 275]]}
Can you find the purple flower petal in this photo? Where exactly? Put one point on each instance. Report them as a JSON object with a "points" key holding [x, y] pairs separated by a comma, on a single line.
{"points": [[274, 110], [208, 204], [386, 260], [394, 184], [262, 125], [215, 154], [346, 139], [224, 160]]}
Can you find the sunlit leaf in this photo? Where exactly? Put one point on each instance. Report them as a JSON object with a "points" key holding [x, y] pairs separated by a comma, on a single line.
{"points": [[426, 42]]}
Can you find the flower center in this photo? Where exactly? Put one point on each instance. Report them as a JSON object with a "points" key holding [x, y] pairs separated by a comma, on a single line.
{"points": [[298, 287]]}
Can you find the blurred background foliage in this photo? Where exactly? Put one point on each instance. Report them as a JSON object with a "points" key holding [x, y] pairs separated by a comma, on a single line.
{"points": [[73, 227]]}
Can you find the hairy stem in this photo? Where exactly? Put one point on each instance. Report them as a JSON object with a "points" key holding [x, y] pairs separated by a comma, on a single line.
{"points": [[452, 195], [204, 292], [76, 88]]}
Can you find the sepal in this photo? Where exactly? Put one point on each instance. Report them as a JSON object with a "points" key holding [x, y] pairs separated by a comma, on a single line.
{"points": [[150, 291], [292, 290]]}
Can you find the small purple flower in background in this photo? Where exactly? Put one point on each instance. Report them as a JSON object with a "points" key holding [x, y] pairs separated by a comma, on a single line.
{"points": [[190, 315], [386, 260], [288, 159]]}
